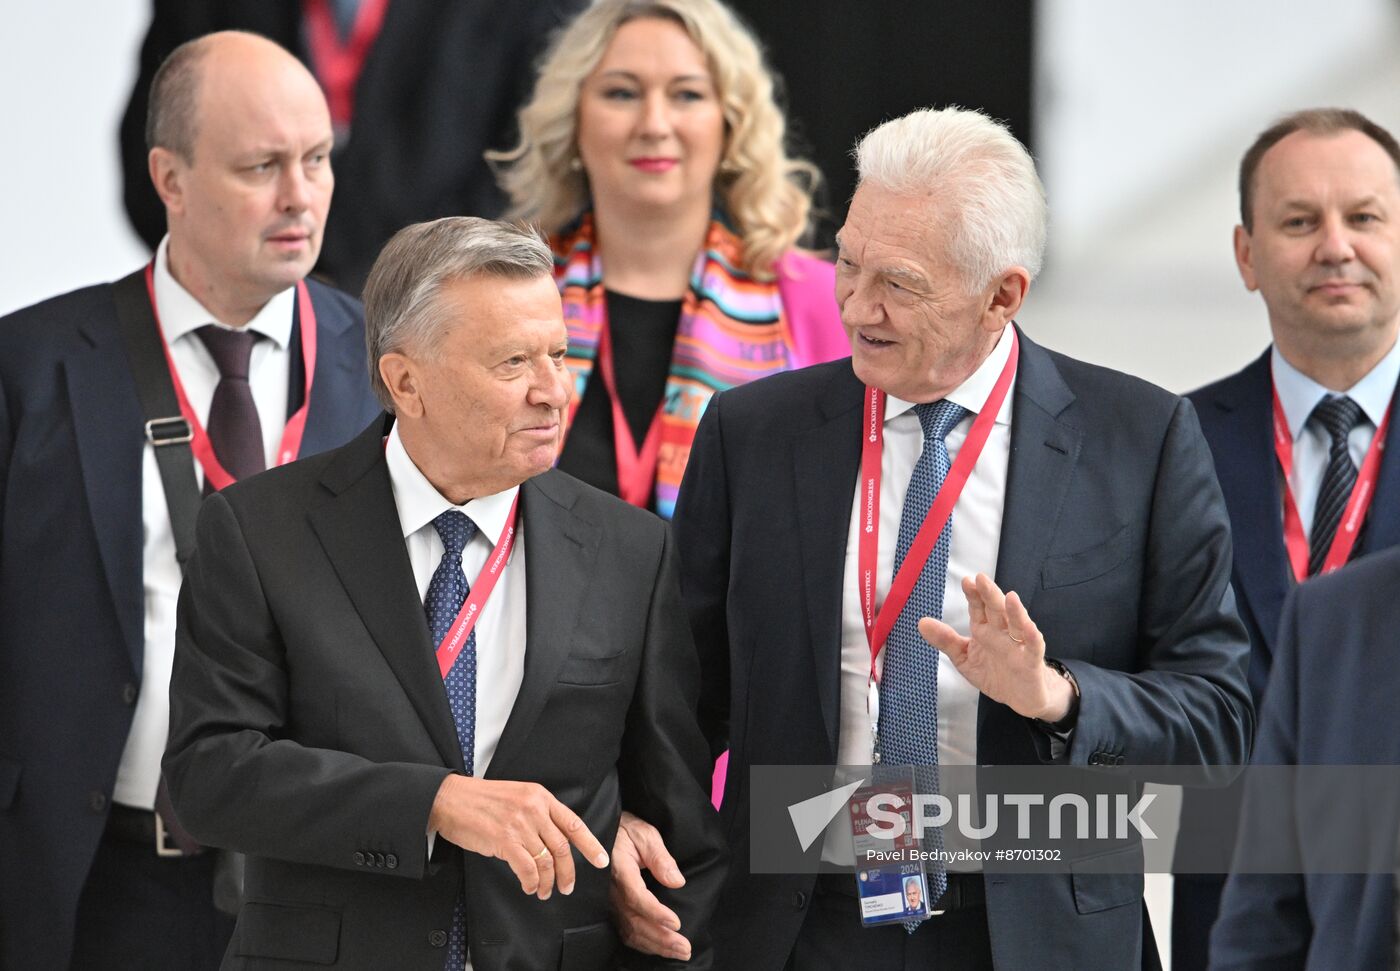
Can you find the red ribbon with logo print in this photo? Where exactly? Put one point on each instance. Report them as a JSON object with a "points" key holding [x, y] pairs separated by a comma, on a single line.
{"points": [[214, 471], [1349, 529], [456, 637], [878, 625], [636, 468], [338, 65]]}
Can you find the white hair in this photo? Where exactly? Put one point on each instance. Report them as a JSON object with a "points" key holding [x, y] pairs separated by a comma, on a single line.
{"points": [[983, 173]]}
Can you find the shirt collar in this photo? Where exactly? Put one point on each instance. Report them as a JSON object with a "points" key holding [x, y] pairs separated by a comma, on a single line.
{"points": [[181, 313], [419, 503], [1300, 394], [973, 393]]}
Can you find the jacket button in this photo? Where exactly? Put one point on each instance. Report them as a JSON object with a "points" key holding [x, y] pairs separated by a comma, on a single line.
{"points": [[391, 861], [1094, 759], [437, 938], [799, 900], [359, 858], [129, 693], [97, 801]]}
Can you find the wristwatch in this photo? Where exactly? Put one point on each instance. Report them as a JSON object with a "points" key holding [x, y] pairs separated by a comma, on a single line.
{"points": [[1062, 728]]}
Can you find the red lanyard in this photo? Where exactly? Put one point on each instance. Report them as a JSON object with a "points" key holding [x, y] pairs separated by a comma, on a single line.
{"points": [[203, 449], [1349, 529], [456, 637], [337, 64], [636, 470], [878, 626]]}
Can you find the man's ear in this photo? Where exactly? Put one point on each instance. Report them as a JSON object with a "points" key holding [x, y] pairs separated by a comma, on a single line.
{"points": [[1244, 257], [167, 175], [400, 375], [1004, 297]]}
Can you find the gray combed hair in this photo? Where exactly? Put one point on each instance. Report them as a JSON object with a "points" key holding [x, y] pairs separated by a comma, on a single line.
{"points": [[986, 176], [401, 295]]}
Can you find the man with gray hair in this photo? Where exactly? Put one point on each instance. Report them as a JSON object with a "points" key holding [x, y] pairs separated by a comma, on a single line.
{"points": [[1073, 571], [429, 655]]}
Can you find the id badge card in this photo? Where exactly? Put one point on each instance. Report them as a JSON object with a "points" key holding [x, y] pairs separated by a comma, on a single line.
{"points": [[890, 879]]}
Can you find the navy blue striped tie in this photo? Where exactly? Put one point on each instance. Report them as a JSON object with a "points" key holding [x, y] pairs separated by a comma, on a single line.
{"points": [[1338, 414]]}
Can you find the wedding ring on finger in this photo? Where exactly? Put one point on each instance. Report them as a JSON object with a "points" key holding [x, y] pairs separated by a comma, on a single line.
{"points": [[1018, 640], [544, 852]]}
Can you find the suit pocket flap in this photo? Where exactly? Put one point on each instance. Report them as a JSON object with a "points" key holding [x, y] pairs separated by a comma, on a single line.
{"points": [[593, 670], [9, 782], [1063, 571], [288, 932], [589, 948], [1108, 880]]}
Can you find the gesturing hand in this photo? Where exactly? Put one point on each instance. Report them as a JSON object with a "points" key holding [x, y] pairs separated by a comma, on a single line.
{"points": [[644, 922], [520, 823], [1005, 656]]}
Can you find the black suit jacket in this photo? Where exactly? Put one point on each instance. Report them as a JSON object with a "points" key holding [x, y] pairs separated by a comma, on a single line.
{"points": [[1334, 676], [441, 85], [1113, 533], [310, 728], [71, 596]]}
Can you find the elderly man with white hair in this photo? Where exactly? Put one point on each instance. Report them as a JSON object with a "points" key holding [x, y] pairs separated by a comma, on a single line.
{"points": [[1073, 571]]}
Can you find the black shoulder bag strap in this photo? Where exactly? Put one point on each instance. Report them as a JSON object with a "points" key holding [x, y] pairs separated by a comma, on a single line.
{"points": [[166, 428]]}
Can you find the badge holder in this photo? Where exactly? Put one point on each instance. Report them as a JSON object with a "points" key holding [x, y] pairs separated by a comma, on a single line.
{"points": [[891, 879]]}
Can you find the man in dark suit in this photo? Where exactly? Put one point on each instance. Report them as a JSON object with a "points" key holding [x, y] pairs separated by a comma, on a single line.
{"points": [[419, 92], [1320, 241], [1333, 674], [1092, 503], [88, 552], [394, 804]]}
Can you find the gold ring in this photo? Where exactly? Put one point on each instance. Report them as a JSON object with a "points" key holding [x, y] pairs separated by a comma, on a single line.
{"points": [[544, 852], [1018, 640]]}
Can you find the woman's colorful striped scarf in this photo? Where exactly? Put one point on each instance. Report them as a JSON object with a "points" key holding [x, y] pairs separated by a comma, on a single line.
{"points": [[732, 331]]}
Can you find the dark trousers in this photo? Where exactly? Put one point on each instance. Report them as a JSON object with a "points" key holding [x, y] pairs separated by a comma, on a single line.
{"points": [[1195, 906], [832, 938], [141, 911]]}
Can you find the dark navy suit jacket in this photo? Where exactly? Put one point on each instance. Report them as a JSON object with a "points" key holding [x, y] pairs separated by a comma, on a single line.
{"points": [[71, 594], [1115, 536], [1236, 415], [1331, 701]]}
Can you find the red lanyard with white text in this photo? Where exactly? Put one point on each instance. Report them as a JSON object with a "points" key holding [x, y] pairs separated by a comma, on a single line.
{"points": [[338, 65], [203, 449], [878, 625], [1349, 529], [456, 637], [636, 470]]}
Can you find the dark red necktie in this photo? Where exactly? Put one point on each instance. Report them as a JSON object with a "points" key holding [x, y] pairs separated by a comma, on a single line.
{"points": [[233, 426]]}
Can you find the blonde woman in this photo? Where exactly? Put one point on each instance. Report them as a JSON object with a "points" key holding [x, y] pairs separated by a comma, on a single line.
{"points": [[652, 153]]}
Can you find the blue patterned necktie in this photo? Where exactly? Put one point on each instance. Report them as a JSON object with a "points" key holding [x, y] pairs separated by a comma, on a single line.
{"points": [[909, 678], [1338, 415], [447, 591]]}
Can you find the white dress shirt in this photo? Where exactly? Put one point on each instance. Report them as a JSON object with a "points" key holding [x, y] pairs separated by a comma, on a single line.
{"points": [[1300, 394], [975, 542], [500, 630], [180, 315]]}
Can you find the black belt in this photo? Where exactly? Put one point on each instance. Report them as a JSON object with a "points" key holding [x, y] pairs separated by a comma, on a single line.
{"points": [[132, 825], [965, 890]]}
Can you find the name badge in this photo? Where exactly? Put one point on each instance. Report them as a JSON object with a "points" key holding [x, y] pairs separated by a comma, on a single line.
{"points": [[895, 889]]}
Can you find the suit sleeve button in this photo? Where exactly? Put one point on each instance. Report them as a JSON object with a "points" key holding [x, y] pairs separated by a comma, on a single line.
{"points": [[799, 900], [379, 859], [129, 693], [437, 938], [391, 861], [1118, 760], [359, 858], [97, 801]]}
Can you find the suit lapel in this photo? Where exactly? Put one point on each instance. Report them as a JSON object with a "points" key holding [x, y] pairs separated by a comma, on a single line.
{"points": [[1248, 473], [560, 550], [340, 382], [1382, 529], [359, 530], [107, 423], [1044, 451], [826, 466]]}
